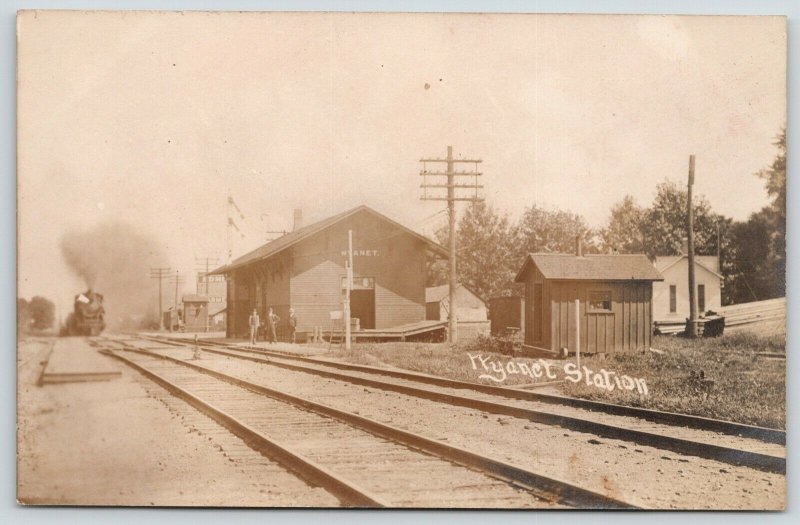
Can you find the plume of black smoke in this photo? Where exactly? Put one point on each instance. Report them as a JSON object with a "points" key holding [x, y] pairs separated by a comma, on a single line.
{"points": [[114, 259]]}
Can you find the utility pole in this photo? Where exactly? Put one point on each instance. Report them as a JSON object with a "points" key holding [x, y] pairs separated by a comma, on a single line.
{"points": [[451, 198], [691, 329], [228, 226], [204, 267], [178, 280], [348, 287], [271, 235], [232, 208], [160, 274], [207, 261]]}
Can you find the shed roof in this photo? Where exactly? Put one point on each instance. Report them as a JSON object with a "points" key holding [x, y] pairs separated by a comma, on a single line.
{"points": [[194, 298], [291, 238], [558, 266]]}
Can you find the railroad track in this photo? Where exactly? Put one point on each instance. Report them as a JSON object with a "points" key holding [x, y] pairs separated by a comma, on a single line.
{"points": [[724, 441], [361, 461]]}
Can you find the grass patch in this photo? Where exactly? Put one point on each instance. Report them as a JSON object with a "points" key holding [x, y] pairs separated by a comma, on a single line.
{"points": [[441, 359], [739, 384]]}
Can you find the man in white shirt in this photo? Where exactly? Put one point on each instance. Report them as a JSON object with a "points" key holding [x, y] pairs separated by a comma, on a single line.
{"points": [[255, 322]]}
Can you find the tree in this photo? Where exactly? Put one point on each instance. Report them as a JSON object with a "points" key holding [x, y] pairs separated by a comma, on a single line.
{"points": [[748, 277], [775, 216], [625, 233], [42, 313], [775, 177], [553, 232], [757, 266], [23, 316], [664, 225], [484, 250]]}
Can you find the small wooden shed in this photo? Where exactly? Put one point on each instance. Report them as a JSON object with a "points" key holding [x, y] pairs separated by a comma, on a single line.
{"points": [[195, 312], [613, 294], [507, 313]]}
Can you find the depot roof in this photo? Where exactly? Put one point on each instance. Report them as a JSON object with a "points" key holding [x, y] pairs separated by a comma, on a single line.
{"points": [[292, 238]]}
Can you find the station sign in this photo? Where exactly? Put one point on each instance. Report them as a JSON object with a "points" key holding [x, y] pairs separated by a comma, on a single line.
{"points": [[360, 283], [361, 253]]}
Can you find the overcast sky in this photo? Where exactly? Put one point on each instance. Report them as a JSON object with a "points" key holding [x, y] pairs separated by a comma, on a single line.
{"points": [[151, 118]]}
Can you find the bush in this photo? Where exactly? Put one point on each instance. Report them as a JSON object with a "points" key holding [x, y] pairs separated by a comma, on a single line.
{"points": [[491, 344]]}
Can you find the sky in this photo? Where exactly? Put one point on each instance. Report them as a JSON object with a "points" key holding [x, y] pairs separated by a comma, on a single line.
{"points": [[152, 118]]}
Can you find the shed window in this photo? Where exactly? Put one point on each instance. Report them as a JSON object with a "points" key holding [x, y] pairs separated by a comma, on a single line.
{"points": [[599, 301], [673, 298]]}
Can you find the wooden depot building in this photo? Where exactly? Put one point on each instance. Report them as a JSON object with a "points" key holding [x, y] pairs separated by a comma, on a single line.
{"points": [[305, 270], [614, 297]]}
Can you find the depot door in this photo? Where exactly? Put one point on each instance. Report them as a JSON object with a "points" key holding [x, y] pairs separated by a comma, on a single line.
{"points": [[362, 306]]}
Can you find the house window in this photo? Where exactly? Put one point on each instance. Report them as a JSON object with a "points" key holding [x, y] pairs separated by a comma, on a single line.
{"points": [[701, 298], [673, 298], [599, 301]]}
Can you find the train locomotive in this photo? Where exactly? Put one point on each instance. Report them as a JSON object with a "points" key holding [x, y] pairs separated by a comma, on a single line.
{"points": [[88, 316]]}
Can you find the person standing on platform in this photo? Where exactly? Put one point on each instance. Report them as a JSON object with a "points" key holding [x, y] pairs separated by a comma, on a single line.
{"points": [[255, 322], [292, 325], [272, 323]]}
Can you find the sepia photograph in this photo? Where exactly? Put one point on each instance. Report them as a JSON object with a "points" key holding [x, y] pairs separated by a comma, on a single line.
{"points": [[401, 260]]}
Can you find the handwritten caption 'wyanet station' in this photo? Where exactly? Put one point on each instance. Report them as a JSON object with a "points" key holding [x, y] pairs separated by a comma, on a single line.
{"points": [[542, 370]]}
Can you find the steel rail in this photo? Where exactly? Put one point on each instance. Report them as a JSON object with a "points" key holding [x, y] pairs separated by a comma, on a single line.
{"points": [[545, 487], [768, 435], [347, 492], [756, 460]]}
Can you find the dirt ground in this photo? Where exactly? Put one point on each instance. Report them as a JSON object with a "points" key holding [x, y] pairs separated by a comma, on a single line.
{"points": [[117, 443], [641, 475], [126, 442]]}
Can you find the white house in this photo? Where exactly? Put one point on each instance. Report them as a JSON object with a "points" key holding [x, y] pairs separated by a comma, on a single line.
{"points": [[471, 312], [671, 296]]}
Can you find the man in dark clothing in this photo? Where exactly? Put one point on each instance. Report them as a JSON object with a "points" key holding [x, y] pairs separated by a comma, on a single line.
{"points": [[292, 325], [272, 322]]}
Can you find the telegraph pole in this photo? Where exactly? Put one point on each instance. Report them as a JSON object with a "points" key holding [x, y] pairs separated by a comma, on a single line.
{"points": [[232, 208], [207, 261], [204, 268], [451, 198], [348, 287], [271, 235], [691, 329], [160, 274], [178, 280]]}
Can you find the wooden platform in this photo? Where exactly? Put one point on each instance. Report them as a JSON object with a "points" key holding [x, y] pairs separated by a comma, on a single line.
{"points": [[73, 359], [400, 333]]}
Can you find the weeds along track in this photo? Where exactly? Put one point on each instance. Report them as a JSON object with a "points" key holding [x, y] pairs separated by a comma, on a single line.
{"points": [[724, 441], [360, 461]]}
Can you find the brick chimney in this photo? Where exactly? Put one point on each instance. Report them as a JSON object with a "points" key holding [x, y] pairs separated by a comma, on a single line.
{"points": [[685, 246], [298, 219], [578, 246]]}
